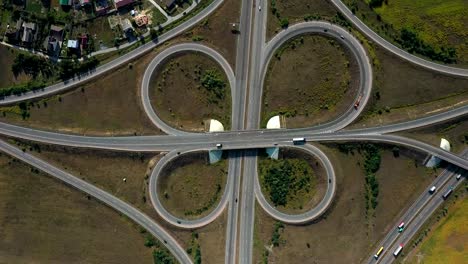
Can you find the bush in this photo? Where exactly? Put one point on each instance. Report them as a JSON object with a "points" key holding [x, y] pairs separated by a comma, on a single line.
{"points": [[162, 257], [284, 23]]}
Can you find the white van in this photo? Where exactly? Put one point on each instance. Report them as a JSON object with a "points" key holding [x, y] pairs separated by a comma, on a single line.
{"points": [[432, 189]]}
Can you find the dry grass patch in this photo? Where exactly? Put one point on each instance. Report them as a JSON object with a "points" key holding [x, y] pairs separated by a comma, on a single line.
{"points": [[182, 98], [216, 30], [310, 80], [45, 221], [190, 187], [7, 78]]}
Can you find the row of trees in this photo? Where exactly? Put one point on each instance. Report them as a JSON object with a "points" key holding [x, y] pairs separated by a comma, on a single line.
{"points": [[410, 41], [32, 65], [70, 68]]}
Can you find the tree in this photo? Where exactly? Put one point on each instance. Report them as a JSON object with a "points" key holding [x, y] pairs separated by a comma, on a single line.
{"points": [[284, 23]]}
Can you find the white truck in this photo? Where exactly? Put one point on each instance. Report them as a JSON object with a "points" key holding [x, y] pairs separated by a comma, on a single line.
{"points": [[298, 141]]}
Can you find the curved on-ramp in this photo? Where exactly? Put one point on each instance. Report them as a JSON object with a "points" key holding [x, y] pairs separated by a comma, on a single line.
{"points": [[315, 212], [108, 199], [161, 58], [343, 37], [167, 216], [394, 49]]}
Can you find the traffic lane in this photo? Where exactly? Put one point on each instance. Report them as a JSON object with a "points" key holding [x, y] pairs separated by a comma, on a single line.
{"points": [[235, 162], [108, 199], [416, 207], [435, 203], [412, 212]]}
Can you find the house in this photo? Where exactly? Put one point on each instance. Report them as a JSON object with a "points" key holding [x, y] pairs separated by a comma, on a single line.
{"points": [[169, 4], [122, 3], [126, 26], [102, 7], [83, 42], [141, 20], [54, 41], [65, 2], [29, 29], [72, 44], [85, 2], [13, 33]]}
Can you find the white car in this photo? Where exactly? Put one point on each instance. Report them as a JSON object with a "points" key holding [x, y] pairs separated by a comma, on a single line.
{"points": [[458, 176], [259, 8], [432, 189]]}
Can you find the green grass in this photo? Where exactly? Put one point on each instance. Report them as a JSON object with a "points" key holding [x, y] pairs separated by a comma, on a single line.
{"points": [[158, 17], [438, 23], [447, 243]]}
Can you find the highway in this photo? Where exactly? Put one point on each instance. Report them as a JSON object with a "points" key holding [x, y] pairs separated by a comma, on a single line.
{"points": [[417, 214], [253, 54]]}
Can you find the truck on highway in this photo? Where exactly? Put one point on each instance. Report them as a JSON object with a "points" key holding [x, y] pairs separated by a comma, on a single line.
{"points": [[398, 250], [447, 193], [376, 256], [219, 145], [298, 141], [358, 101], [401, 227], [432, 189]]}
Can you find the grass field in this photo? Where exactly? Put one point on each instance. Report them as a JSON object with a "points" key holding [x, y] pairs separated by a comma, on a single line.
{"points": [[46, 221], [190, 187], [313, 183], [100, 30], [310, 80], [296, 11], [345, 227], [7, 78], [180, 97], [215, 31], [107, 106]]}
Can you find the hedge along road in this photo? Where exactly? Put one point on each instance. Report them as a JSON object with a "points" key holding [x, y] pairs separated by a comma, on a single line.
{"points": [[60, 87], [168, 217], [315, 212], [343, 37], [165, 55]]}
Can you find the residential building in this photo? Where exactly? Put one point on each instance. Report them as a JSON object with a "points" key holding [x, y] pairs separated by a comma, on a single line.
{"points": [[122, 3], [29, 30], [72, 44], [102, 7], [53, 42], [141, 20], [65, 2]]}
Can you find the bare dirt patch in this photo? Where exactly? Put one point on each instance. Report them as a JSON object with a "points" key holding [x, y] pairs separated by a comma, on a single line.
{"points": [[46, 221], [190, 187], [296, 11], [180, 97], [216, 30], [310, 80]]}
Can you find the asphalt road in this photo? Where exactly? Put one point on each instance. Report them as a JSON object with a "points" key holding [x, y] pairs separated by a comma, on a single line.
{"points": [[417, 214], [103, 196], [395, 50]]}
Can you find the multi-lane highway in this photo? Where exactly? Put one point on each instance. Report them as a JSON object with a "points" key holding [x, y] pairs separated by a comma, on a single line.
{"points": [[252, 57], [417, 214]]}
